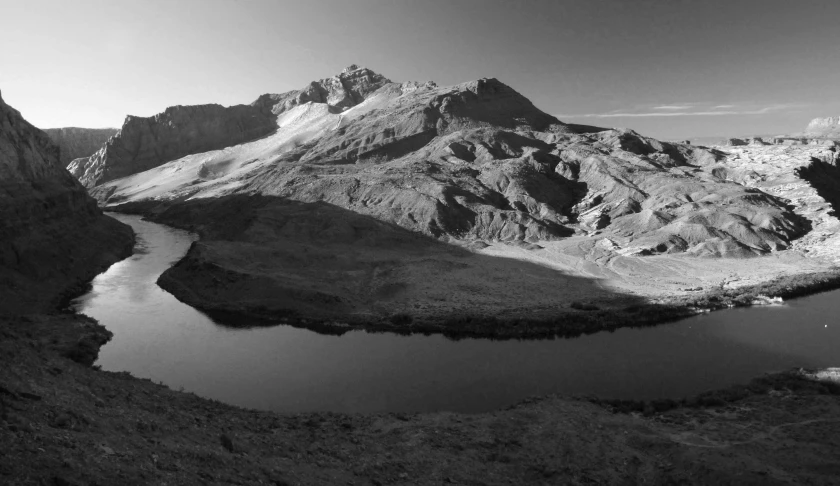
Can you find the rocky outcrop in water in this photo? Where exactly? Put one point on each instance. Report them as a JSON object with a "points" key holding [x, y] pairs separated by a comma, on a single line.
{"points": [[52, 235], [77, 143], [144, 143]]}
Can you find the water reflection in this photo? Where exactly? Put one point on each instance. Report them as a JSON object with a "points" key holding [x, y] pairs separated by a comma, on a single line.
{"points": [[288, 369]]}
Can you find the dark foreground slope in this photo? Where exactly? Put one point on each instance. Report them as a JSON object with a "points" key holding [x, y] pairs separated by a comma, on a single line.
{"points": [[53, 237], [65, 423]]}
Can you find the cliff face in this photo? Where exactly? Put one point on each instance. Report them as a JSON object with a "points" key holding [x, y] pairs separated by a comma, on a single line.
{"points": [[828, 127], [79, 142], [144, 143], [52, 235]]}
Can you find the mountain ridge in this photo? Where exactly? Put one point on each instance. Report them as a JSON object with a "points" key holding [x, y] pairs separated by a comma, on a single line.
{"points": [[476, 166]]}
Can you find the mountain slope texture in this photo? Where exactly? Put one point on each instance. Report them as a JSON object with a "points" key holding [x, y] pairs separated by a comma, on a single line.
{"points": [[52, 235], [828, 127], [353, 161]]}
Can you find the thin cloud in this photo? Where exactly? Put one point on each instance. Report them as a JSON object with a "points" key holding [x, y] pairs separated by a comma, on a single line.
{"points": [[672, 107], [706, 112]]}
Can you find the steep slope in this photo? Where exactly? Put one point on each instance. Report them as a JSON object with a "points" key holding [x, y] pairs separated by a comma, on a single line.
{"points": [[144, 143], [52, 235], [828, 127], [477, 165], [77, 143]]}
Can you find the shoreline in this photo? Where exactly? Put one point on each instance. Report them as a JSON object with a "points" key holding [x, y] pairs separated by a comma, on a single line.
{"points": [[571, 319], [567, 324], [66, 422]]}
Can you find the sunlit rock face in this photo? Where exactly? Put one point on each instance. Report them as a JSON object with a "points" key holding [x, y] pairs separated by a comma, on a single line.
{"points": [[828, 127], [52, 235], [145, 143], [75, 143], [475, 161]]}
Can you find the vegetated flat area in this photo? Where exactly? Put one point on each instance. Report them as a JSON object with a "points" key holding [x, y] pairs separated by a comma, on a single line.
{"points": [[63, 422]]}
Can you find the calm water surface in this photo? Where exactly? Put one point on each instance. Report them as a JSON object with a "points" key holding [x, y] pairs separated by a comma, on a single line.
{"points": [[287, 369]]}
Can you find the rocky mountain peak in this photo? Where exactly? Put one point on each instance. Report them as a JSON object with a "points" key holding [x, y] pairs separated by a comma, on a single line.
{"points": [[340, 92]]}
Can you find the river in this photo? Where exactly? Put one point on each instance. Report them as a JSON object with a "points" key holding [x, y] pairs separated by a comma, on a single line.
{"points": [[293, 370]]}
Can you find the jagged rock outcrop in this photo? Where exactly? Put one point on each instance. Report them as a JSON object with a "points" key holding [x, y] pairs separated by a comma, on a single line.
{"points": [[340, 92], [828, 127], [145, 143], [52, 235], [77, 142]]}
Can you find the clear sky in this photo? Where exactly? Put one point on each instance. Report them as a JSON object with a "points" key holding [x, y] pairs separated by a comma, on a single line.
{"points": [[668, 68]]}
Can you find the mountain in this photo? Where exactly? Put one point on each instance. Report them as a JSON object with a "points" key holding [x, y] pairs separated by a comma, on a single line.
{"points": [[828, 127], [76, 142], [53, 237], [145, 143], [475, 165]]}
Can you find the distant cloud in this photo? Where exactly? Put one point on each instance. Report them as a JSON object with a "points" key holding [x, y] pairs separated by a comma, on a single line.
{"points": [[686, 110], [672, 107]]}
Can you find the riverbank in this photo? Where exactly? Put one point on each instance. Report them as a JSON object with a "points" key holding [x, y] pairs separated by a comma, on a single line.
{"points": [[262, 262], [63, 422]]}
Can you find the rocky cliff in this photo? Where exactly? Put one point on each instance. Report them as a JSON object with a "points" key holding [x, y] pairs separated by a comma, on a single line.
{"points": [[340, 92], [828, 127], [144, 143], [52, 235], [76, 143]]}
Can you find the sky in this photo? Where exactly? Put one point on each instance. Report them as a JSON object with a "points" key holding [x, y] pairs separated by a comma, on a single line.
{"points": [[669, 69]]}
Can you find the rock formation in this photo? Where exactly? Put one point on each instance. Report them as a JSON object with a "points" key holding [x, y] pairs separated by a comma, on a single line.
{"points": [[52, 235], [477, 161], [77, 143], [828, 127], [347, 89], [144, 143]]}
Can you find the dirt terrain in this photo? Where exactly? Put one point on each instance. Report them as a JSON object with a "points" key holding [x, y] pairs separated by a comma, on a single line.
{"points": [[63, 422]]}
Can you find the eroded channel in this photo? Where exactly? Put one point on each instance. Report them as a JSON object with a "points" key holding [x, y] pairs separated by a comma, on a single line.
{"points": [[288, 369]]}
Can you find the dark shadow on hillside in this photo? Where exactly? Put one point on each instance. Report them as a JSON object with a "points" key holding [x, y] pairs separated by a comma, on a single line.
{"points": [[266, 260], [825, 178]]}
